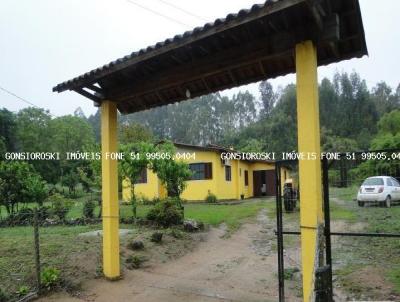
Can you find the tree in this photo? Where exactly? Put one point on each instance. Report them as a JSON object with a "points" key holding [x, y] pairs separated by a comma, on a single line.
{"points": [[19, 183], [356, 110], [35, 190], [135, 160], [244, 108], [388, 137], [33, 129], [252, 145], [173, 174], [7, 130], [390, 123], [86, 177], [3, 148], [334, 143], [385, 101], [95, 120], [71, 133], [268, 98], [33, 135], [133, 132], [71, 180]]}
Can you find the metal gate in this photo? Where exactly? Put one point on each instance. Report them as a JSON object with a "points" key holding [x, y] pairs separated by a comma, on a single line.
{"points": [[323, 288]]}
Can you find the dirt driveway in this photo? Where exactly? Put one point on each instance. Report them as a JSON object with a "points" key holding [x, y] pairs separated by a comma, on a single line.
{"points": [[241, 267]]}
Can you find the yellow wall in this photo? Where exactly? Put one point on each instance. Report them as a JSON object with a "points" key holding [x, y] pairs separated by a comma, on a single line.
{"points": [[150, 190], [197, 190]]}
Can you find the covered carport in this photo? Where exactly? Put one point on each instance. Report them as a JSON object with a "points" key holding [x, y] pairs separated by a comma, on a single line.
{"points": [[266, 41]]}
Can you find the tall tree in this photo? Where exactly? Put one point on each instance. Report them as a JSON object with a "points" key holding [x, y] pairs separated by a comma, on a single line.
{"points": [[33, 129], [245, 109], [7, 130], [71, 133], [268, 98], [133, 132], [384, 98], [34, 135]]}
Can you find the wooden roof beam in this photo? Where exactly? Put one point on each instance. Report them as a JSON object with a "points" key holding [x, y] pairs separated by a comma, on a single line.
{"points": [[314, 6], [95, 98], [96, 89]]}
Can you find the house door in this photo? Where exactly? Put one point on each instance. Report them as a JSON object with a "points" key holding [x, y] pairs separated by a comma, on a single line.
{"points": [[264, 183], [271, 182], [257, 183]]}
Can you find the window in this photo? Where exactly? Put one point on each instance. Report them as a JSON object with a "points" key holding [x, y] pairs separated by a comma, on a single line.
{"points": [[246, 177], [228, 173], [373, 181], [142, 177], [395, 182], [389, 182], [201, 171]]}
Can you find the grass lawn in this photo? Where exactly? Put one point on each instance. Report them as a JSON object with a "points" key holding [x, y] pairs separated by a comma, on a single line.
{"points": [[213, 214], [232, 215]]}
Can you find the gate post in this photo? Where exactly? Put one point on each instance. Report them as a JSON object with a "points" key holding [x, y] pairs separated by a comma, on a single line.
{"points": [[311, 213], [109, 179]]}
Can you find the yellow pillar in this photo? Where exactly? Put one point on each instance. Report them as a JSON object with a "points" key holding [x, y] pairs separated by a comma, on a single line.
{"points": [[109, 175], [311, 214]]}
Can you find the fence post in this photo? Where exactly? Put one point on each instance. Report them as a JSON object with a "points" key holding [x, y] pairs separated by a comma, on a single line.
{"points": [[37, 247]]}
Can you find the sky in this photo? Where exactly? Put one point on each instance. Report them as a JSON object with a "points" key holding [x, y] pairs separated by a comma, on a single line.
{"points": [[45, 42]]}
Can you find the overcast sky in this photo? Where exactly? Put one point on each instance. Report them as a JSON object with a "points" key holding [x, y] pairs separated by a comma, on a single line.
{"points": [[44, 42]]}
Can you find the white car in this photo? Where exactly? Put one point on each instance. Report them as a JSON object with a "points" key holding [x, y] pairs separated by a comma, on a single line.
{"points": [[381, 190]]}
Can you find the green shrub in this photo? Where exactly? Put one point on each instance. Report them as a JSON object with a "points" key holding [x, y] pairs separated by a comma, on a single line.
{"points": [[60, 206], [23, 290], [156, 237], [50, 277], [211, 198], [155, 200], [136, 245], [3, 296], [166, 213], [177, 234], [289, 273], [134, 261], [145, 201], [88, 209]]}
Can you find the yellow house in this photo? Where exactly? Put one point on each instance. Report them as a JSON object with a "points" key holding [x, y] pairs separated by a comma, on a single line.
{"points": [[221, 171]]}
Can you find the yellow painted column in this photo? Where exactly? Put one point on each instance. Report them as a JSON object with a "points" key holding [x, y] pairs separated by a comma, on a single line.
{"points": [[109, 173], [311, 214]]}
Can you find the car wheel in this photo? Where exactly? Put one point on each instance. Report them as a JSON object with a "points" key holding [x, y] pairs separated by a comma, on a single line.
{"points": [[388, 202], [360, 203]]}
